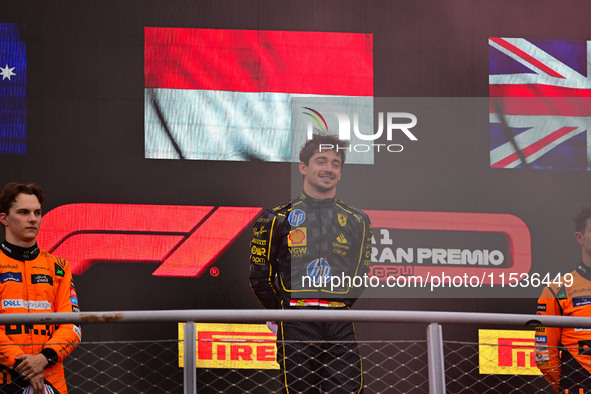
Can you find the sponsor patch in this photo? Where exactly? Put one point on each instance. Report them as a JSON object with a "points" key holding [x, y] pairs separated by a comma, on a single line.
{"points": [[13, 304], [296, 217], [40, 278], [541, 354], [11, 277], [36, 305], [541, 339], [39, 305], [59, 271], [541, 307], [319, 270], [297, 237], [581, 301], [74, 300]]}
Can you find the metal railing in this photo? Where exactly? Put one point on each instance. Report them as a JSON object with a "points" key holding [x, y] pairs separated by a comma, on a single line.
{"points": [[435, 345]]}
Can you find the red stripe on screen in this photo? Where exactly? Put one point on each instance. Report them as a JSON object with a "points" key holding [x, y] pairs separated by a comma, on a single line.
{"points": [[259, 61], [528, 58], [553, 106], [536, 90], [535, 147]]}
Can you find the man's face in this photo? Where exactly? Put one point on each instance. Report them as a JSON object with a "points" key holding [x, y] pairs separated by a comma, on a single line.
{"points": [[322, 173], [584, 238], [22, 223]]}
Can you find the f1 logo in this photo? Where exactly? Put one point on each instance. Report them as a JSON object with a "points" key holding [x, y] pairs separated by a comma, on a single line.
{"points": [[186, 240]]}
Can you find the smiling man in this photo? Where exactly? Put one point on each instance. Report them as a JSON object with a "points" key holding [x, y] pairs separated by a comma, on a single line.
{"points": [[297, 250], [32, 281]]}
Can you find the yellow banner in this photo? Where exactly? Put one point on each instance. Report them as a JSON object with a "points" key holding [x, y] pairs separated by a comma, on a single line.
{"points": [[507, 352], [235, 346]]}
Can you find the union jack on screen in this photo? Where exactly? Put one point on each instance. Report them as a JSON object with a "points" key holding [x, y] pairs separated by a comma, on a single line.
{"points": [[540, 103]]}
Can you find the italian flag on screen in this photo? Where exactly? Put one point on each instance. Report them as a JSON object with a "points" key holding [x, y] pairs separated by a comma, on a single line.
{"points": [[215, 94]]}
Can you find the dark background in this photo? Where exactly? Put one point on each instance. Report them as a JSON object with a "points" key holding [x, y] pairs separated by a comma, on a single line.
{"points": [[85, 89]]}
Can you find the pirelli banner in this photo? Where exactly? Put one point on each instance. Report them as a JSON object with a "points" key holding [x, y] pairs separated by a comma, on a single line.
{"points": [[506, 352], [232, 346]]}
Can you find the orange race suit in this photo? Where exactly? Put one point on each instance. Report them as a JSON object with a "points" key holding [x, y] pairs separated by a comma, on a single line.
{"points": [[34, 281], [564, 354]]}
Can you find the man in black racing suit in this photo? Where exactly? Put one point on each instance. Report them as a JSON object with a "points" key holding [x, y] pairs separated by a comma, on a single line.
{"points": [[314, 252]]}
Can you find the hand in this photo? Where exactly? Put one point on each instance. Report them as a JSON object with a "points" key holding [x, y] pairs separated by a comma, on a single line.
{"points": [[37, 383], [31, 366]]}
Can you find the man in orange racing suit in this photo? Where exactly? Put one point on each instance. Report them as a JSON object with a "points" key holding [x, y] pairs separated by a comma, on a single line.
{"points": [[32, 281], [296, 247], [564, 354]]}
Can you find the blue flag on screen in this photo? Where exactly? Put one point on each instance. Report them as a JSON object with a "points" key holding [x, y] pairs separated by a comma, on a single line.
{"points": [[13, 91], [540, 106]]}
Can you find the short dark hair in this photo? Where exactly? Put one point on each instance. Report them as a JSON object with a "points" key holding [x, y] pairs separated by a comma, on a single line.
{"points": [[581, 217], [13, 189], [312, 146]]}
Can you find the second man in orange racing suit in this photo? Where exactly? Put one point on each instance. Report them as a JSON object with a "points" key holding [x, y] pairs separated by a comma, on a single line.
{"points": [[564, 354]]}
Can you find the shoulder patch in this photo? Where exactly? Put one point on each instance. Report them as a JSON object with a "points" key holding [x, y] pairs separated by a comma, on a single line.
{"points": [[59, 270], [561, 293]]}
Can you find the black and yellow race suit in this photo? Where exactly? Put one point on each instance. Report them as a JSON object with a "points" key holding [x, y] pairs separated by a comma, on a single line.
{"points": [[313, 254], [564, 354]]}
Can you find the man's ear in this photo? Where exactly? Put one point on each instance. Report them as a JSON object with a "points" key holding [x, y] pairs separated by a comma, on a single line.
{"points": [[3, 219], [302, 168], [579, 237]]}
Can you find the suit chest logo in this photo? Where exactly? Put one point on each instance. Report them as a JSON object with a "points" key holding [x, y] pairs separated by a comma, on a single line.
{"points": [[11, 277], [41, 278], [296, 217]]}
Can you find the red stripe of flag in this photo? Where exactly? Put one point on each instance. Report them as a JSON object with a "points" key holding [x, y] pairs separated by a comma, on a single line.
{"points": [[552, 106], [536, 90], [259, 61], [530, 59], [533, 148]]}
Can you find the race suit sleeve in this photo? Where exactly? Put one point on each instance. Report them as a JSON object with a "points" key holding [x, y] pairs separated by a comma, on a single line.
{"points": [[547, 347], [8, 349], [263, 258], [364, 258], [66, 336]]}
